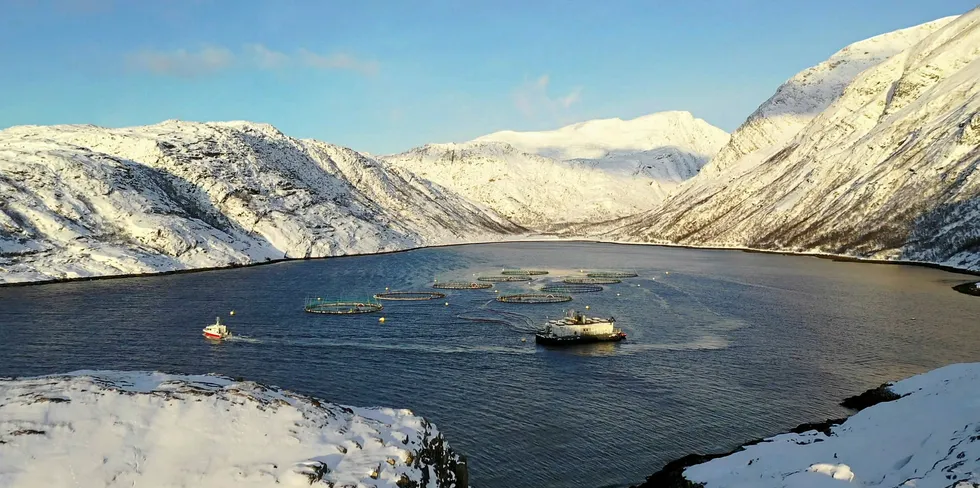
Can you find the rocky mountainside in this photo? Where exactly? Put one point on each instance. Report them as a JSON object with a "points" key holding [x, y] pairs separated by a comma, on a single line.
{"points": [[532, 190], [135, 428], [84, 200], [887, 170], [668, 147]]}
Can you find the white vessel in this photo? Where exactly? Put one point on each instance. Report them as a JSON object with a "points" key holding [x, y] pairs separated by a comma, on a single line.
{"points": [[217, 330], [576, 328]]}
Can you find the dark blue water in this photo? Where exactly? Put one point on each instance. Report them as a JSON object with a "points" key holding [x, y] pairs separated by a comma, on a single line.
{"points": [[727, 347]]}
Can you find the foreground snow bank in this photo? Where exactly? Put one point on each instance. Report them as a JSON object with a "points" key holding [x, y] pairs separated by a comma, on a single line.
{"points": [[110, 428], [930, 437]]}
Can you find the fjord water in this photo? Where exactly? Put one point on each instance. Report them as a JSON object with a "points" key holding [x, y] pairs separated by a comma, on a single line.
{"points": [[723, 346]]}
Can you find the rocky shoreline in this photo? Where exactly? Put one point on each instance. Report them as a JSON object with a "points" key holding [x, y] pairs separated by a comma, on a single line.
{"points": [[672, 474], [969, 288]]}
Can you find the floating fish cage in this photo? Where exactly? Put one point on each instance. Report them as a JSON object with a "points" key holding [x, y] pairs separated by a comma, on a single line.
{"points": [[342, 307], [504, 279], [591, 281], [571, 288], [534, 298], [461, 285], [612, 274], [409, 296], [523, 272]]}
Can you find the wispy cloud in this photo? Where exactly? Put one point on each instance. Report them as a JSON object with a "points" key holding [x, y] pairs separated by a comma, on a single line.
{"points": [[183, 63], [265, 58], [532, 99], [210, 60], [339, 61]]}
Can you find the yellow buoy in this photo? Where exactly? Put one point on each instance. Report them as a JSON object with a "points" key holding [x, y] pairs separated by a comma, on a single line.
{"points": [[382, 320], [586, 307], [447, 304], [386, 288], [666, 272], [231, 313], [617, 294], [523, 339]]}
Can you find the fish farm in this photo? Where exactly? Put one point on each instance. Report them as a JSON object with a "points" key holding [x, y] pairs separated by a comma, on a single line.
{"points": [[534, 298], [571, 288], [343, 307], [461, 285], [612, 274], [523, 272], [592, 281], [407, 296], [504, 279]]}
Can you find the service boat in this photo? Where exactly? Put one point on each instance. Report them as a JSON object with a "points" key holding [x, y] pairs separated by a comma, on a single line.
{"points": [[217, 330], [576, 328]]}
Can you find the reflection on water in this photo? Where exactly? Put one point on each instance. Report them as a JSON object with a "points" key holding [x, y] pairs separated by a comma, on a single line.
{"points": [[594, 349], [722, 346]]}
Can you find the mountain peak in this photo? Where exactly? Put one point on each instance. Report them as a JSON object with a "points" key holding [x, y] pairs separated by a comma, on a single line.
{"points": [[598, 138]]}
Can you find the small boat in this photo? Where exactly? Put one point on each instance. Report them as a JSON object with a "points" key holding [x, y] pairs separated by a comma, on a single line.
{"points": [[576, 328], [217, 330]]}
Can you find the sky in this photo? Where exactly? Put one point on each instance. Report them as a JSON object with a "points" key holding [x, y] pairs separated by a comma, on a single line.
{"points": [[384, 76]]}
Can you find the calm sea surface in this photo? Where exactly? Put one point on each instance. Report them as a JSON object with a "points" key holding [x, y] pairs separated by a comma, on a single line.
{"points": [[723, 346]]}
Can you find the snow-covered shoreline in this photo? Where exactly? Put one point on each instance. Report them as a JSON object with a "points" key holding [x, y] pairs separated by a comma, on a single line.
{"points": [[122, 428], [541, 238], [920, 432]]}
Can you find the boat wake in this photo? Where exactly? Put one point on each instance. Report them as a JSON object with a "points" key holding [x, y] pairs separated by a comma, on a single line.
{"points": [[518, 322], [247, 339]]}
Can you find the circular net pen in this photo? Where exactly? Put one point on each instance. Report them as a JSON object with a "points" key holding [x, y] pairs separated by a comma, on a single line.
{"points": [[504, 278], [409, 296], [461, 285], [571, 288], [523, 272], [612, 274], [342, 307], [591, 281], [534, 298]]}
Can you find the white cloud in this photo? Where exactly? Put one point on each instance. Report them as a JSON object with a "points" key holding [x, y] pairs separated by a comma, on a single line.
{"points": [[339, 61], [265, 58], [182, 62], [210, 60], [532, 98]]}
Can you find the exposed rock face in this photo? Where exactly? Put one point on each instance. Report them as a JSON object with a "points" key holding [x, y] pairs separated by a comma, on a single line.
{"points": [[83, 200], [133, 428]]}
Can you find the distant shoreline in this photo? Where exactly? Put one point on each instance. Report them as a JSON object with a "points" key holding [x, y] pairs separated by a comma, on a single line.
{"points": [[537, 239]]}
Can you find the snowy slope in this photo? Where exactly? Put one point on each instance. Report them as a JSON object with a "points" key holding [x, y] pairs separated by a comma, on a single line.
{"points": [[84, 200], [112, 428], [930, 438], [669, 147], [809, 92], [886, 171], [529, 189]]}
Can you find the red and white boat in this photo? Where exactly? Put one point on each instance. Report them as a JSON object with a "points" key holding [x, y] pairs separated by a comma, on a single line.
{"points": [[217, 330]]}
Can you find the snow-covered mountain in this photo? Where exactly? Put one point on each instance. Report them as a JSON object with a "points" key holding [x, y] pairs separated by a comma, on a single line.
{"points": [[115, 428], [529, 189], [887, 170], [668, 147], [84, 200], [809, 92]]}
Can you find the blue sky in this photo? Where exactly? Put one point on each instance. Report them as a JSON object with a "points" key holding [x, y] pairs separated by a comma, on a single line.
{"points": [[384, 76]]}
